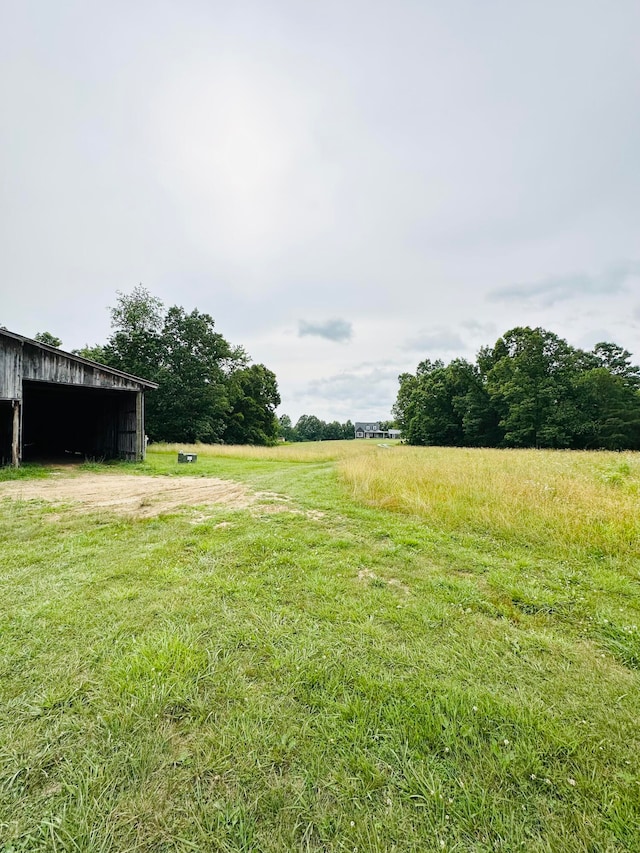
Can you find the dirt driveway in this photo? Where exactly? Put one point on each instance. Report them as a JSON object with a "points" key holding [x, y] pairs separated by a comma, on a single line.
{"points": [[140, 496]]}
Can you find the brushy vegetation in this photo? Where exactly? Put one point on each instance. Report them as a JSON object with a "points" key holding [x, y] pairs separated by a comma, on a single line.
{"points": [[430, 650]]}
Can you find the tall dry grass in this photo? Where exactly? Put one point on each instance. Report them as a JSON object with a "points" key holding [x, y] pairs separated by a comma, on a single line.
{"points": [[560, 498], [310, 451]]}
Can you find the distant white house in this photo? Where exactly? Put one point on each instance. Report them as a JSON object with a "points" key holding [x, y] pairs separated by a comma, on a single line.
{"points": [[373, 430]]}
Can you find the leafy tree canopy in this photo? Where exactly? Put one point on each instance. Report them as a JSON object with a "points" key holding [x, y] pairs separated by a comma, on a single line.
{"points": [[312, 428], [48, 338], [253, 398], [94, 353], [208, 390], [531, 389]]}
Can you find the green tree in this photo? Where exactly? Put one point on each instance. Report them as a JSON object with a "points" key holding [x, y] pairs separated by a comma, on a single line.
{"points": [[192, 402], [412, 401], [531, 385], [309, 428], [205, 388], [608, 391], [531, 389], [48, 338], [286, 429], [610, 409], [312, 428], [445, 405], [441, 420], [348, 430], [331, 431], [407, 409], [253, 397], [93, 353], [617, 361], [480, 420], [136, 343], [424, 408]]}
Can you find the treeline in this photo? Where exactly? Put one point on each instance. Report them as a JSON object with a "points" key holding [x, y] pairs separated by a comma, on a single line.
{"points": [[207, 389], [311, 428], [531, 389]]}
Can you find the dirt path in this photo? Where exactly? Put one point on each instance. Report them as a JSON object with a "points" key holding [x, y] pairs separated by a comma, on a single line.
{"points": [[131, 494]]}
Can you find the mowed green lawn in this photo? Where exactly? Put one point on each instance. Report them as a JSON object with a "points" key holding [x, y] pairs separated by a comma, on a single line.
{"points": [[427, 650]]}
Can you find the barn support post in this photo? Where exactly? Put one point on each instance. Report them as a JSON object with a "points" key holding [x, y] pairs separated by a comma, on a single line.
{"points": [[140, 436], [15, 437]]}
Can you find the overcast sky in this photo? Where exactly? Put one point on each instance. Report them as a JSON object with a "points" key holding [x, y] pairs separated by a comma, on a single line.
{"points": [[346, 187]]}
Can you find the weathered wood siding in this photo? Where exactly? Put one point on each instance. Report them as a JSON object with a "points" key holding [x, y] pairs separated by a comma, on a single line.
{"points": [[41, 365], [20, 361], [10, 369], [127, 438]]}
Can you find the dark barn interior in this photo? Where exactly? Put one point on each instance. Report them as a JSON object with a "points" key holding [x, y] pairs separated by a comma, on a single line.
{"points": [[66, 422]]}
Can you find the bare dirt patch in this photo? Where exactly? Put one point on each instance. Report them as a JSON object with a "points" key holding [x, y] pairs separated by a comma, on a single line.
{"points": [[131, 494], [372, 577], [281, 503]]}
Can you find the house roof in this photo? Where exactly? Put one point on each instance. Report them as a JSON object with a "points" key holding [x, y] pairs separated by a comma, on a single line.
{"points": [[103, 367], [367, 426]]}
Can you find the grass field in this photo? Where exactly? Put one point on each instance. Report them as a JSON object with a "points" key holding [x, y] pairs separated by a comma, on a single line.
{"points": [[425, 649]]}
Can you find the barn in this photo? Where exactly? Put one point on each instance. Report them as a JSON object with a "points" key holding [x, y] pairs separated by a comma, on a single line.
{"points": [[56, 405]]}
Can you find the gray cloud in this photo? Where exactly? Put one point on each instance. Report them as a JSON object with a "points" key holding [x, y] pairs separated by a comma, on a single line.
{"points": [[332, 330], [557, 289], [441, 340]]}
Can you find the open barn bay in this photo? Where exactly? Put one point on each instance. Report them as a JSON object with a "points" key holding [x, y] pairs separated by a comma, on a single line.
{"points": [[329, 647]]}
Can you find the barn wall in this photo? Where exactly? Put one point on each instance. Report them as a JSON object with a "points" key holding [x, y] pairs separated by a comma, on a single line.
{"points": [[127, 437], [10, 369], [42, 365]]}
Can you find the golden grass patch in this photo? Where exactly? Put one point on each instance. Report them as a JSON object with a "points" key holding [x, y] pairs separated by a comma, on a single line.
{"points": [[309, 451], [561, 497]]}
